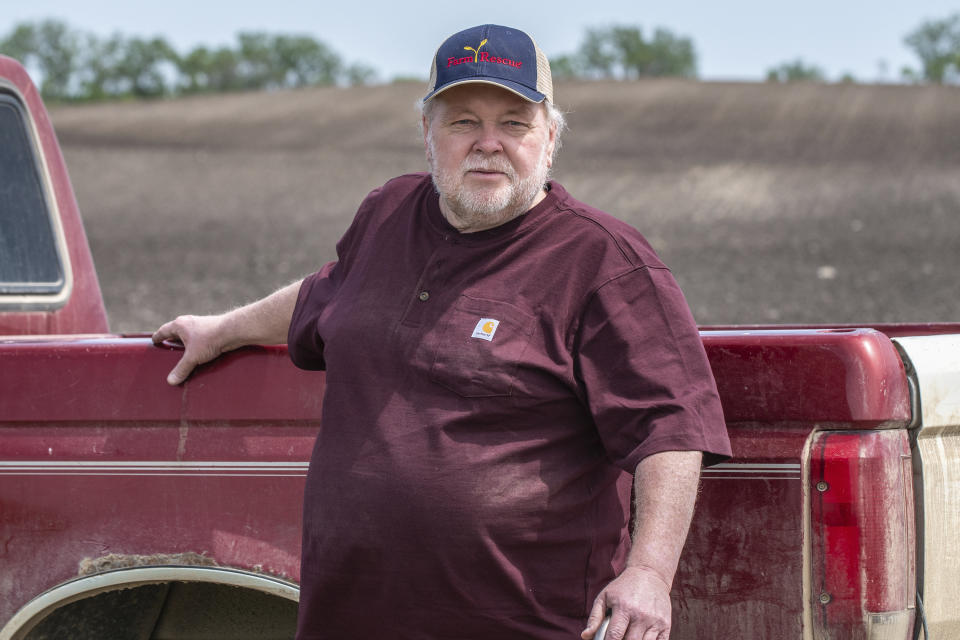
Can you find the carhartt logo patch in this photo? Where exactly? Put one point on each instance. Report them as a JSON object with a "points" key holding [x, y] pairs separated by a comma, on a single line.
{"points": [[485, 329]]}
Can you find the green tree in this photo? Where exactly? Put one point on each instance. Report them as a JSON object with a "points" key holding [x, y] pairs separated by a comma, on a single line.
{"points": [[276, 61], [223, 70], [52, 48], [98, 68], [937, 44], [21, 43], [306, 61], [632, 53], [57, 51], [672, 55], [597, 54], [72, 65], [194, 69], [359, 74], [565, 67], [623, 51], [143, 65], [259, 65], [796, 71], [204, 70]]}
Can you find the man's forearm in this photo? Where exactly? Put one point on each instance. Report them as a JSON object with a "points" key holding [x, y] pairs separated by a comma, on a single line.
{"points": [[665, 486], [265, 321]]}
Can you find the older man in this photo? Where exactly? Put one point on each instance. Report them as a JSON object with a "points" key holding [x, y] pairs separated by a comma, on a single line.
{"points": [[500, 359]]}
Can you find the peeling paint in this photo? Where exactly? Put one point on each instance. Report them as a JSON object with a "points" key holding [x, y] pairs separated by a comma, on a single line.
{"points": [[182, 440], [184, 427], [113, 561]]}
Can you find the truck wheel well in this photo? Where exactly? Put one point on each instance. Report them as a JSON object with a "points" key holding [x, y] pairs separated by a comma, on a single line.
{"points": [[172, 611], [161, 603]]}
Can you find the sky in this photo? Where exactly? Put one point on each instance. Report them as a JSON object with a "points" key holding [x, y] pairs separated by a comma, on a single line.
{"points": [[734, 40]]}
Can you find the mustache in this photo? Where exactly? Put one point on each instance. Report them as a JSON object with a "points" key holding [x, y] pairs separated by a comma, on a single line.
{"points": [[488, 164]]}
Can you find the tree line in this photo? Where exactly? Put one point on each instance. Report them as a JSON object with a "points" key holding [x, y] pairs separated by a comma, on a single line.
{"points": [[935, 42], [74, 65], [623, 52]]}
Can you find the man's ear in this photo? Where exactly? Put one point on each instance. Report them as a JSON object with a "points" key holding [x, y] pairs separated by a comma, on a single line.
{"points": [[551, 144]]}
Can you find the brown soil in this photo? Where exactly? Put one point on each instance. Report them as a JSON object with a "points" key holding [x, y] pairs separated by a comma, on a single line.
{"points": [[793, 203]]}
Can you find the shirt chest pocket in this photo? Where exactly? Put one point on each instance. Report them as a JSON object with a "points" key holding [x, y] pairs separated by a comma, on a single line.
{"points": [[480, 346]]}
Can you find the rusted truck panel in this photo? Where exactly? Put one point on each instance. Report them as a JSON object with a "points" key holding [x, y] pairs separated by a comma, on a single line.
{"points": [[763, 547], [214, 471], [104, 468]]}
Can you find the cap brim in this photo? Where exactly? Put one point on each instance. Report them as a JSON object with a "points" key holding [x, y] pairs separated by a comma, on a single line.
{"points": [[514, 87]]}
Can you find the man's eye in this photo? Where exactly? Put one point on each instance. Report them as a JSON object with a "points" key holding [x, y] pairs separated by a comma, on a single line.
{"points": [[516, 124]]}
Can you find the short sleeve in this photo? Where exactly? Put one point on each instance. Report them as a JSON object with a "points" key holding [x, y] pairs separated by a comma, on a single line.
{"points": [[644, 373], [304, 343], [303, 340]]}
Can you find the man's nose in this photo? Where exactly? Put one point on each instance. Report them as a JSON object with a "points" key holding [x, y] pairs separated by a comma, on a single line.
{"points": [[488, 140]]}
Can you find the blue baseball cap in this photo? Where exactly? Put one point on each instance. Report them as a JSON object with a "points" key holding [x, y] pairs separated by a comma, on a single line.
{"points": [[492, 54]]}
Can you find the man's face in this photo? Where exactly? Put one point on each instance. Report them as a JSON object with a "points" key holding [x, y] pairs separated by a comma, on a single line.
{"points": [[490, 152]]}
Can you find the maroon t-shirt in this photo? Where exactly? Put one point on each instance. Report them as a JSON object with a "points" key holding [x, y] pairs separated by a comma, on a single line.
{"points": [[488, 395]]}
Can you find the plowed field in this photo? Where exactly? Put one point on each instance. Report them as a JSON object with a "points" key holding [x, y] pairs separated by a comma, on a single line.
{"points": [[772, 204]]}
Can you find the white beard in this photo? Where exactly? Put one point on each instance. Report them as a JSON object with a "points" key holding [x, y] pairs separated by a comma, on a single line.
{"points": [[488, 207]]}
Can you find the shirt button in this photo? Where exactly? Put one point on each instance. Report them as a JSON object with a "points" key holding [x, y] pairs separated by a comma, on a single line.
{"points": [[424, 296]]}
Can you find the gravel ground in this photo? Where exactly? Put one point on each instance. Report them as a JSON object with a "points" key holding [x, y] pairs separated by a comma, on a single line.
{"points": [[772, 204]]}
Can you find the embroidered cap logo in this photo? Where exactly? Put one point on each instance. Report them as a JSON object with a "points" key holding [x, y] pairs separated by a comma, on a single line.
{"points": [[491, 54], [482, 56], [476, 52]]}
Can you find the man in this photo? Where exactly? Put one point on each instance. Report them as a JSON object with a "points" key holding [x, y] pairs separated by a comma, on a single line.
{"points": [[500, 358]]}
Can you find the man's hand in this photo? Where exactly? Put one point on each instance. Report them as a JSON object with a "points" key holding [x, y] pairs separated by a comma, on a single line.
{"points": [[639, 602], [665, 489], [204, 338], [201, 337]]}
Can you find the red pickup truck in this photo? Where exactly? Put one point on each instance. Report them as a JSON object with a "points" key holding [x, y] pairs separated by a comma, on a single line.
{"points": [[129, 508]]}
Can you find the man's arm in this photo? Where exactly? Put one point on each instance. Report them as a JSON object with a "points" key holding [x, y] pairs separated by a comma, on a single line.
{"points": [[266, 321], [665, 485]]}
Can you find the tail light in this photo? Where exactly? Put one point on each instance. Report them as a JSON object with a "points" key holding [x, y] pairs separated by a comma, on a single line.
{"points": [[862, 568]]}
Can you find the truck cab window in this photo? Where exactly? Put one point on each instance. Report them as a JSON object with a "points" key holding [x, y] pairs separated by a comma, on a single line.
{"points": [[29, 260]]}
